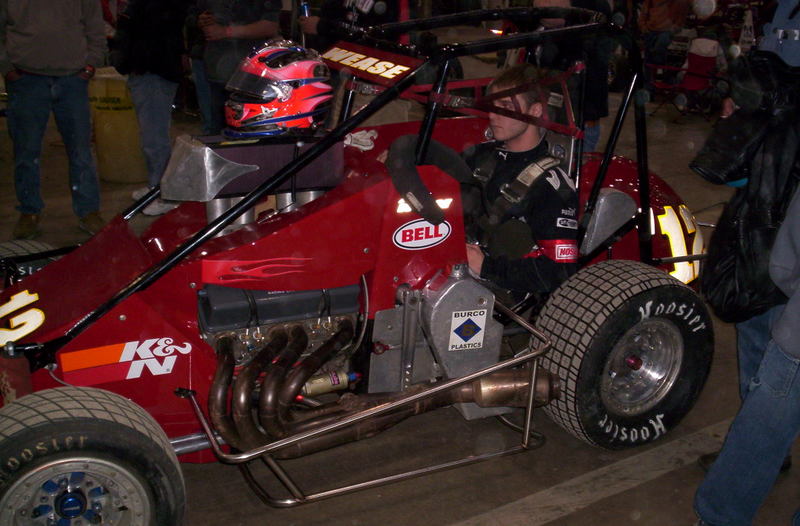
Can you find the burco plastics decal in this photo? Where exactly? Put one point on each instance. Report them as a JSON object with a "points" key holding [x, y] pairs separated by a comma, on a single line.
{"points": [[420, 234], [466, 330]]}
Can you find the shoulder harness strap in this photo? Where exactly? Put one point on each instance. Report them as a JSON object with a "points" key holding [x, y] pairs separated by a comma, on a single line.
{"points": [[515, 191]]}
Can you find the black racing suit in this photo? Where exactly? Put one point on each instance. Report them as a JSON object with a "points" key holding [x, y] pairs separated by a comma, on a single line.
{"points": [[532, 245]]}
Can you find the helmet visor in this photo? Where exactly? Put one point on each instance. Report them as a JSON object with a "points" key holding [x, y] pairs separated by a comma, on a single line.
{"points": [[262, 88]]}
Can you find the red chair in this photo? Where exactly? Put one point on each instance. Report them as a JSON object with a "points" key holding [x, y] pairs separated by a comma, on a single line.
{"points": [[697, 86]]}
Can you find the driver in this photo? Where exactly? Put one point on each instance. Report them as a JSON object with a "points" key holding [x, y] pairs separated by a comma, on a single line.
{"points": [[526, 223]]}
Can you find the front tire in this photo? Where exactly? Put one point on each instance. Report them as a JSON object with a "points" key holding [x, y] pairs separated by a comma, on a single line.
{"points": [[632, 347], [83, 455]]}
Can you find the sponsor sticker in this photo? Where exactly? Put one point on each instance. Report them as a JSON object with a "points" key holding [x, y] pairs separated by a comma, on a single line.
{"points": [[566, 252], [563, 222], [467, 329], [420, 234], [122, 361]]}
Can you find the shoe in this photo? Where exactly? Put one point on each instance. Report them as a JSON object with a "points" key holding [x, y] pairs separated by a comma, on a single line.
{"points": [[27, 227], [706, 460], [141, 192], [92, 223], [159, 207]]}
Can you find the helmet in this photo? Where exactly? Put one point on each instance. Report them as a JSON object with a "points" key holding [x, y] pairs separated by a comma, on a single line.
{"points": [[275, 88]]}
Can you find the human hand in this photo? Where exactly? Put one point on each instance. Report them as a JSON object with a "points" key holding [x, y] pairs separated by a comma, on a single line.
{"points": [[475, 258], [215, 31], [205, 19], [308, 24], [87, 72], [728, 107]]}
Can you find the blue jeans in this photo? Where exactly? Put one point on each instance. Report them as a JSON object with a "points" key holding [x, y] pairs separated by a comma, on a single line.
{"points": [[752, 337], [153, 96], [759, 437], [591, 136], [30, 101], [203, 92]]}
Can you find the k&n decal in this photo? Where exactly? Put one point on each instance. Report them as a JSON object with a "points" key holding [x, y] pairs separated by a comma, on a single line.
{"points": [[122, 361]]}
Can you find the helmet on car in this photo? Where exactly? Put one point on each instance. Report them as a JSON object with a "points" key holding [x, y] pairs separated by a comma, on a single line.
{"points": [[277, 87]]}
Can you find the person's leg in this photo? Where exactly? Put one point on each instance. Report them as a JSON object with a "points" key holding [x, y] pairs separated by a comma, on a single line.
{"points": [[29, 104], [752, 337], [71, 109], [203, 92], [591, 136], [153, 97], [765, 427], [218, 98]]}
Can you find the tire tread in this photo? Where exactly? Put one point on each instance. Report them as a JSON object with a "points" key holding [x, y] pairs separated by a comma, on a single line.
{"points": [[572, 316]]}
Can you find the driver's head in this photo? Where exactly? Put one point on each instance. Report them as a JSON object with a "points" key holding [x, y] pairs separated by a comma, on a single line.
{"points": [[517, 135]]}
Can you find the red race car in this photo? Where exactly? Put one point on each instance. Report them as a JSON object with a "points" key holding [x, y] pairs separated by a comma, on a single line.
{"points": [[304, 295]]}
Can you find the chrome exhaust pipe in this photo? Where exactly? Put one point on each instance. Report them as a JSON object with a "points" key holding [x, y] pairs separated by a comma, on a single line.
{"points": [[506, 388], [304, 370], [218, 395], [242, 403], [273, 380]]}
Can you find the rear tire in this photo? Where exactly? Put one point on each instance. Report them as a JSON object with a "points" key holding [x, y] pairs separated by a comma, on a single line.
{"points": [[89, 455], [25, 247], [632, 347]]}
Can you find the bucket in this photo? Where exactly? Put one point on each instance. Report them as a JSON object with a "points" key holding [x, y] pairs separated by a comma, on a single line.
{"points": [[116, 131]]}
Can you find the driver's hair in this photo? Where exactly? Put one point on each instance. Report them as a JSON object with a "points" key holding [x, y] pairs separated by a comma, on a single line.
{"points": [[520, 75]]}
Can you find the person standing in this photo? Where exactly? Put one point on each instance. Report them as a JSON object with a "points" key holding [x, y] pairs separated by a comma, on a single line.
{"points": [[148, 47], [232, 28], [658, 21], [48, 53], [769, 420], [760, 438]]}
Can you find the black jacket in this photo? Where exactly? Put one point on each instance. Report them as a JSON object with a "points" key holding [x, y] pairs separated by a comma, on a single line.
{"points": [[149, 38], [533, 246]]}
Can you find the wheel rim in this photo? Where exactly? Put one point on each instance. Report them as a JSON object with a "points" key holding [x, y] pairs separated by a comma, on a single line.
{"points": [[642, 367], [77, 491]]}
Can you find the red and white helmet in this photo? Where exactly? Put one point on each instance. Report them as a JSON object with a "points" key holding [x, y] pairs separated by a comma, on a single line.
{"points": [[277, 87]]}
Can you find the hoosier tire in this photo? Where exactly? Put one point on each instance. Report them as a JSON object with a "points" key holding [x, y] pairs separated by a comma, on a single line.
{"points": [[24, 247], [83, 455], [632, 347]]}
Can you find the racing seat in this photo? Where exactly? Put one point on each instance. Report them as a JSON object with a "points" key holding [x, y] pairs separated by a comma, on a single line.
{"points": [[698, 83]]}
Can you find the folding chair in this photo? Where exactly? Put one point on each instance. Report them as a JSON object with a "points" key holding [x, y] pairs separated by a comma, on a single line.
{"points": [[696, 88]]}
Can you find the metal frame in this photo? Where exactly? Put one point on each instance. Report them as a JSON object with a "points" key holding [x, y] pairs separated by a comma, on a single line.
{"points": [[299, 497]]}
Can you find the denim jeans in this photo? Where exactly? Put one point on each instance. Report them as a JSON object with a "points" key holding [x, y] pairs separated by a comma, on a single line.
{"points": [[752, 337], [591, 136], [203, 92], [31, 98], [759, 437], [153, 96]]}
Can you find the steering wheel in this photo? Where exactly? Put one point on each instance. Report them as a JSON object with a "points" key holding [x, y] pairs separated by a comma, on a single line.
{"points": [[406, 179]]}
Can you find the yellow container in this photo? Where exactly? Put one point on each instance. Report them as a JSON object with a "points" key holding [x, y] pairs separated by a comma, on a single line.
{"points": [[116, 131]]}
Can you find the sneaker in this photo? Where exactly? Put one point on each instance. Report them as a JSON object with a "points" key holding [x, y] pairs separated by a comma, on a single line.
{"points": [[27, 227], [159, 207], [141, 192], [91, 223]]}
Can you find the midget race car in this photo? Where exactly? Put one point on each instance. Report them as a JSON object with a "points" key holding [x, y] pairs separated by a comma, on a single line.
{"points": [[307, 294]]}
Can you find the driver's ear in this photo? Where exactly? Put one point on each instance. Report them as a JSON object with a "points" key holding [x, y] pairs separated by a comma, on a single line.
{"points": [[536, 109]]}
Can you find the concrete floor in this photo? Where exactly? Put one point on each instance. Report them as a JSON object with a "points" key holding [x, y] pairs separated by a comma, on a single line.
{"points": [[565, 483]]}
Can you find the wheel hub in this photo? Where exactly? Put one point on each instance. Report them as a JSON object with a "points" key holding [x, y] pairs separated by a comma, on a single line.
{"points": [[70, 505], [75, 492], [642, 368]]}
